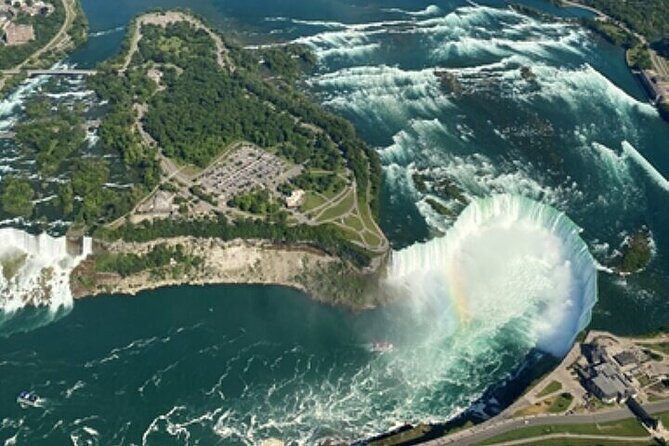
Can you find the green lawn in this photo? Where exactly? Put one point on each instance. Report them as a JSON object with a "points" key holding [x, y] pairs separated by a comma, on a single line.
{"points": [[577, 442], [368, 221], [623, 428], [311, 201], [351, 235], [664, 417], [561, 403], [339, 209], [552, 387], [371, 239], [353, 222]]}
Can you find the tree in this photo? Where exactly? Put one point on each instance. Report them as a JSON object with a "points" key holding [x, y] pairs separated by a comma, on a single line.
{"points": [[17, 197]]}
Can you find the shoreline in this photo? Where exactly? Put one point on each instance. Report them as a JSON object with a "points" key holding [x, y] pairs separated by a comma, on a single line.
{"points": [[61, 45], [237, 262], [650, 79]]}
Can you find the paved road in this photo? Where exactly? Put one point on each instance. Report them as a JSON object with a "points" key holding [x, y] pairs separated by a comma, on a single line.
{"points": [[69, 19], [496, 427]]}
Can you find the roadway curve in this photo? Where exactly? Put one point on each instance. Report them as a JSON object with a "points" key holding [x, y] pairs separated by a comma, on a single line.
{"points": [[494, 427], [69, 20]]}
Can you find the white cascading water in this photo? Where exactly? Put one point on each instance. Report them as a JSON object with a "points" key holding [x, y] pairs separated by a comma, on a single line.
{"points": [[35, 270], [506, 260]]}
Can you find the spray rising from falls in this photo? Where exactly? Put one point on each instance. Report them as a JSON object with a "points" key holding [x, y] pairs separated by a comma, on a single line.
{"points": [[507, 262], [35, 271]]}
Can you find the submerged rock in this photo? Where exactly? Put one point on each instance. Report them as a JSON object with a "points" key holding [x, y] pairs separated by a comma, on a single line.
{"points": [[527, 74], [449, 83]]}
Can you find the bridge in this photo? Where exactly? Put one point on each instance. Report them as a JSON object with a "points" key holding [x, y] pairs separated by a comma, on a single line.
{"points": [[55, 72]]}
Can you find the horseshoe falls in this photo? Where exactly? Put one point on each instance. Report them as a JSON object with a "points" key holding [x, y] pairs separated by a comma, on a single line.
{"points": [[507, 261], [518, 153]]}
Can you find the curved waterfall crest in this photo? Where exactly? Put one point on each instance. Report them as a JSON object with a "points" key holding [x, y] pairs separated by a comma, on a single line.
{"points": [[508, 261]]}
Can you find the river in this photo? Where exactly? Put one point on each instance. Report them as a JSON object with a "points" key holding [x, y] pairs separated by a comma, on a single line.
{"points": [[234, 365]]}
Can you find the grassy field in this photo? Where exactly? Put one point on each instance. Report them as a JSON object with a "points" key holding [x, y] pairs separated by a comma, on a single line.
{"points": [[555, 404], [338, 210], [312, 201], [664, 417], [353, 222], [371, 238], [561, 403], [552, 387], [623, 428]]}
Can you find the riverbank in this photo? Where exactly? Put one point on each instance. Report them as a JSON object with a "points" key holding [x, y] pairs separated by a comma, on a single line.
{"points": [[570, 396], [324, 277], [72, 34], [645, 63]]}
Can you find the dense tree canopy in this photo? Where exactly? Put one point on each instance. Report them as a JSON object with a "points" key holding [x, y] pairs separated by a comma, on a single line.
{"points": [[52, 136], [17, 196], [647, 17]]}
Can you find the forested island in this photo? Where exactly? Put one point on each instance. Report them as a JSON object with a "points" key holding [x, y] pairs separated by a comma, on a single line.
{"points": [[201, 139]]}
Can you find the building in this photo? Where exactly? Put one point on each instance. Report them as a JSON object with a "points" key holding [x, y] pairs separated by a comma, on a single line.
{"points": [[608, 384], [14, 34], [161, 203], [295, 199], [625, 358]]}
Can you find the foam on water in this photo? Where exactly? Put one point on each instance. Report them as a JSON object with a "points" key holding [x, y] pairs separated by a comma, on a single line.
{"points": [[510, 275], [506, 261], [106, 32], [11, 104], [383, 94], [431, 10], [650, 170]]}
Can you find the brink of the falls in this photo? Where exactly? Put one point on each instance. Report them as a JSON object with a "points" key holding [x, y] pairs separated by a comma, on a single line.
{"points": [[35, 270], [508, 261]]}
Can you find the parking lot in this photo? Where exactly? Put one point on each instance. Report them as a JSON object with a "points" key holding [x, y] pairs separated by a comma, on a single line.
{"points": [[244, 169]]}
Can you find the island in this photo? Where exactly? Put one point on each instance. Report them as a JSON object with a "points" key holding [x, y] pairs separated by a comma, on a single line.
{"points": [[212, 166]]}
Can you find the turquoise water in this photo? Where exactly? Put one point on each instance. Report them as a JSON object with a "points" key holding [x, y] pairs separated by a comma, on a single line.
{"points": [[224, 365], [235, 365]]}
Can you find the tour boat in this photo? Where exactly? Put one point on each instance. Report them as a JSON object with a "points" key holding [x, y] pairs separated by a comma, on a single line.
{"points": [[382, 347], [26, 399]]}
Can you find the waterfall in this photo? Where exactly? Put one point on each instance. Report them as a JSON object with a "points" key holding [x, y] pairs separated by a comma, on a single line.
{"points": [[35, 270], [507, 261]]}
